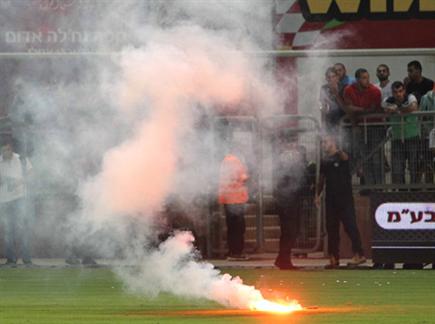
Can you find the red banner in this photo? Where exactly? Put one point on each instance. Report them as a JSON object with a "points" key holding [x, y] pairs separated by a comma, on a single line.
{"points": [[355, 24]]}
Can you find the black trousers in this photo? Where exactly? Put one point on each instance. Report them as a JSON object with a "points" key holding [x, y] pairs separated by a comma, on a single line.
{"points": [[341, 210], [289, 218], [402, 152], [235, 218]]}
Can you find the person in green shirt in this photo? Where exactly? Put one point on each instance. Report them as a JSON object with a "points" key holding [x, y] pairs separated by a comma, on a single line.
{"points": [[427, 104], [405, 132]]}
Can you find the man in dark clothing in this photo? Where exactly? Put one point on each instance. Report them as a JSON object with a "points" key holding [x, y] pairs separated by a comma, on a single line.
{"points": [[288, 193], [416, 83], [335, 173]]}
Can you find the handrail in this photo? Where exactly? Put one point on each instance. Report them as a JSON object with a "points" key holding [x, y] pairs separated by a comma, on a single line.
{"points": [[316, 123], [253, 121], [260, 126], [350, 52], [424, 118], [385, 115], [276, 53]]}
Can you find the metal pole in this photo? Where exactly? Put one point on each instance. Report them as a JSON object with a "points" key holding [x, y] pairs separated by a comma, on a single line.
{"points": [[260, 201]]}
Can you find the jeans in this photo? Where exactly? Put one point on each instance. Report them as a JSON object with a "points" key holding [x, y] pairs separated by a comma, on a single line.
{"points": [[400, 153], [343, 212], [16, 229], [235, 218]]}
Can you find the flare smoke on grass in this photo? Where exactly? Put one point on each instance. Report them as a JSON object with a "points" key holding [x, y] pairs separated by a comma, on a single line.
{"points": [[184, 276], [194, 63], [133, 114]]}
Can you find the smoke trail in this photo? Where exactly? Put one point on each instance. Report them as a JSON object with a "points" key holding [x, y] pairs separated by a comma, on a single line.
{"points": [[188, 277], [167, 81], [133, 116], [178, 69]]}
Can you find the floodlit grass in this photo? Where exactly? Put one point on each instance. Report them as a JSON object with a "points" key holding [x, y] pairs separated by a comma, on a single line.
{"points": [[75, 295]]}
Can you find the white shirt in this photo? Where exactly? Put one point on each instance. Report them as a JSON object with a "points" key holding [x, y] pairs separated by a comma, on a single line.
{"points": [[386, 91], [432, 139], [12, 179], [389, 103]]}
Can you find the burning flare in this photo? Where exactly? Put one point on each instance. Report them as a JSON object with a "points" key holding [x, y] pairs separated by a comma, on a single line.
{"points": [[264, 305], [181, 274]]}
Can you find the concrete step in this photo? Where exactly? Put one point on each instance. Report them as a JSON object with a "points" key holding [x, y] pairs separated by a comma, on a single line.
{"points": [[251, 232], [268, 206], [251, 220], [272, 230], [272, 245]]}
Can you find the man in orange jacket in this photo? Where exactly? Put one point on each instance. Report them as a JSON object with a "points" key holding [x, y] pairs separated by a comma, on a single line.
{"points": [[233, 194]]}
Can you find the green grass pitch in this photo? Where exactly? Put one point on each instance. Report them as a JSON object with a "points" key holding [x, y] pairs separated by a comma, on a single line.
{"points": [[82, 295]]}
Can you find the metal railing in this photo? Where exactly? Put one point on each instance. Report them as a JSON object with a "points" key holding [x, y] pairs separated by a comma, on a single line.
{"points": [[223, 129], [394, 148], [305, 131]]}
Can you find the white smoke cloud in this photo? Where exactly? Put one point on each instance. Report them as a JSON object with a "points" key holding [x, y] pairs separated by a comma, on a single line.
{"points": [[184, 276], [123, 133], [179, 68]]}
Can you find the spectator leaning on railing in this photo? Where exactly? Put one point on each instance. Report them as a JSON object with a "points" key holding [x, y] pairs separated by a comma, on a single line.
{"points": [[384, 84], [428, 104], [362, 98], [405, 132], [331, 101], [343, 79], [416, 83]]}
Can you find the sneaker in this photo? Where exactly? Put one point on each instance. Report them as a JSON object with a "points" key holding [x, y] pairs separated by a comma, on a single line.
{"points": [[72, 261], [243, 257], [285, 265], [334, 263], [237, 257], [11, 263], [389, 266], [378, 266], [356, 260], [232, 257], [88, 261], [413, 266]]}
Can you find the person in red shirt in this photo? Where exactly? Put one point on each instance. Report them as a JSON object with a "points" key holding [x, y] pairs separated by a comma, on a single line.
{"points": [[233, 194], [362, 98]]}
